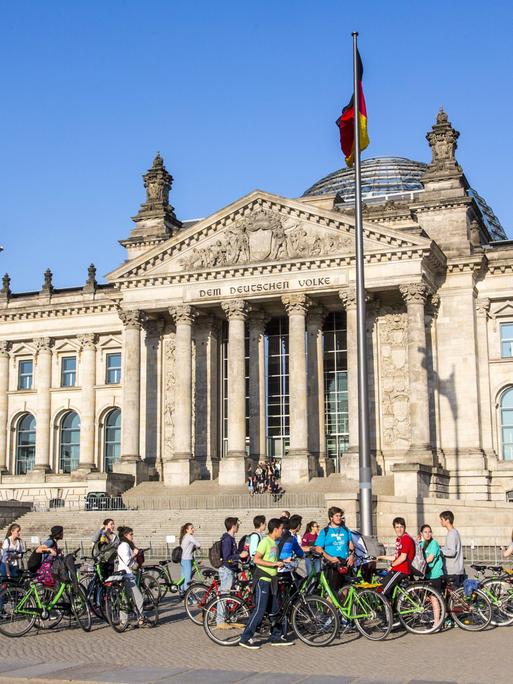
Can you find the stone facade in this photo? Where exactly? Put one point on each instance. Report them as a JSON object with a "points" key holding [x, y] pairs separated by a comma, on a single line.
{"points": [[188, 311]]}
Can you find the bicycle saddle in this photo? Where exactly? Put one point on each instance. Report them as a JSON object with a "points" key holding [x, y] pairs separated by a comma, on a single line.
{"points": [[209, 573]]}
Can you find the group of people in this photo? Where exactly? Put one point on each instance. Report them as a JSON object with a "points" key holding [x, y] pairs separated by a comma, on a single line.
{"points": [[264, 477]]}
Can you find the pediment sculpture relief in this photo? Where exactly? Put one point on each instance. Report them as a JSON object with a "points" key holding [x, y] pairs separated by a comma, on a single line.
{"points": [[265, 236]]}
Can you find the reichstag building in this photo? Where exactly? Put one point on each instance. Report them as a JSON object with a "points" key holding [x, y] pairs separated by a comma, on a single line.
{"points": [[232, 339]]}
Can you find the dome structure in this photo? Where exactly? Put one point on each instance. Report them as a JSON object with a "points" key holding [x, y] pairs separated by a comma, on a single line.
{"points": [[392, 178]]}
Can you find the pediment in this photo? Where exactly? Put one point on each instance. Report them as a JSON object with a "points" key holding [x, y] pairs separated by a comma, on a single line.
{"points": [[262, 228]]}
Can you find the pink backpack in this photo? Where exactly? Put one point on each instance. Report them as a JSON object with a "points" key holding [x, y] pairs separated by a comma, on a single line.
{"points": [[44, 573]]}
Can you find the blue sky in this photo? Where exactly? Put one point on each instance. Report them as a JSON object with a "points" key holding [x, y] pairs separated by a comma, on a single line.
{"points": [[236, 96]]}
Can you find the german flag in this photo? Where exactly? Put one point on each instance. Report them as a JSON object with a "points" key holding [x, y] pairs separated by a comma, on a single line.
{"points": [[345, 122]]}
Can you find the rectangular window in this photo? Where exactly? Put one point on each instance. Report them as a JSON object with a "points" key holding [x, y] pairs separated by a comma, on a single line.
{"points": [[69, 371], [25, 369], [113, 375], [507, 340]]}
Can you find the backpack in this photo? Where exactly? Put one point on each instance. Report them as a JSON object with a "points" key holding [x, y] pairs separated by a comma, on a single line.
{"points": [[44, 573], [214, 554], [34, 562], [419, 564], [105, 553], [176, 554]]}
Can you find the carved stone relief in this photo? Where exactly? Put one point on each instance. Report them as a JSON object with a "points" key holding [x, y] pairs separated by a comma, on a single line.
{"points": [[265, 236], [393, 335]]}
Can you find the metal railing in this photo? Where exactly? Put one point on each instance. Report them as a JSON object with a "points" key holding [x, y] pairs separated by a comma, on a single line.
{"points": [[108, 503]]}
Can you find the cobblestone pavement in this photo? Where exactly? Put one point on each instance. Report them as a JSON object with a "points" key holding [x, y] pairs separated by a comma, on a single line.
{"points": [[177, 651]]}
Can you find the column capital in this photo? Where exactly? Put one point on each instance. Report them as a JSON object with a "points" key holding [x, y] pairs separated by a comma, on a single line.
{"points": [[43, 344], [132, 319], [87, 341], [183, 313], [154, 327], [316, 316], [235, 309], [414, 293], [296, 303], [483, 306], [258, 319], [348, 297], [4, 348]]}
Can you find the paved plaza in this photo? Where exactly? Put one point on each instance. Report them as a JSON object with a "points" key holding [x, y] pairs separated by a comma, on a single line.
{"points": [[179, 652]]}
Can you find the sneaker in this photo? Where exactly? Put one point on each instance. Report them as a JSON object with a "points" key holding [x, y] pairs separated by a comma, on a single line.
{"points": [[249, 644], [282, 641]]}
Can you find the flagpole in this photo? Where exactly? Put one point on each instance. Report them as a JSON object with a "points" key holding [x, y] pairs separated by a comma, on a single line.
{"points": [[365, 472]]}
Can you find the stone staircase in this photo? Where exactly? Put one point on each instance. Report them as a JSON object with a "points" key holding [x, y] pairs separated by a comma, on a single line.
{"points": [[151, 527]]}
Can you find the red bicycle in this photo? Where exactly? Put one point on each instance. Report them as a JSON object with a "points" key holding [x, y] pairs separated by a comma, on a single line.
{"points": [[199, 594]]}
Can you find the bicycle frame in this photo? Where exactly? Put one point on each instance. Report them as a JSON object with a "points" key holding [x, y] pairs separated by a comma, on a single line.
{"points": [[41, 607], [351, 599], [416, 607]]}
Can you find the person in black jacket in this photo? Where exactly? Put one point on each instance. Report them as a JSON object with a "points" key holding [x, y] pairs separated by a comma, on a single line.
{"points": [[231, 558]]}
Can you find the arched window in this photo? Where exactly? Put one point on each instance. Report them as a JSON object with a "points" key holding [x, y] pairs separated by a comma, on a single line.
{"points": [[69, 442], [112, 439], [506, 410], [25, 444]]}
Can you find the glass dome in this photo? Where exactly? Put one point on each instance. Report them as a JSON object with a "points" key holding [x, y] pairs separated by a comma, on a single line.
{"points": [[386, 178]]}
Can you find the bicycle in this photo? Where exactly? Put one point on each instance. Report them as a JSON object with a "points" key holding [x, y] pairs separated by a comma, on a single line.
{"points": [[162, 573], [471, 611], [358, 602], [314, 619], [120, 605], [199, 594], [499, 589], [28, 603]]}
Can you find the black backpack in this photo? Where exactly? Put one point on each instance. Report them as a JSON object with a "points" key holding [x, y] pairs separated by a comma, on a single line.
{"points": [[214, 554], [176, 554], [34, 562]]}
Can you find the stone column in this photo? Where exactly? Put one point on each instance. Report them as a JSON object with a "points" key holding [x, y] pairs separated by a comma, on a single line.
{"points": [[257, 431], [4, 388], [415, 295], [232, 467], [296, 467], [180, 471], [87, 415], [485, 399], [348, 298], [43, 347], [130, 462], [315, 385]]}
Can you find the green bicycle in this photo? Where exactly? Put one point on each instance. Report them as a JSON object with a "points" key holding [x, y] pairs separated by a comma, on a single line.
{"points": [[419, 606], [358, 603], [498, 588], [161, 573], [28, 604]]}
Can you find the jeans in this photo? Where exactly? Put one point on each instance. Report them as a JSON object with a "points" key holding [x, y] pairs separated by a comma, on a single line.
{"points": [[315, 562], [262, 596], [3, 573], [226, 577], [186, 572]]}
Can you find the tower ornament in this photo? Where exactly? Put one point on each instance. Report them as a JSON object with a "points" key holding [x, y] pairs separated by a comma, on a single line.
{"points": [[47, 286], [5, 291], [442, 139]]}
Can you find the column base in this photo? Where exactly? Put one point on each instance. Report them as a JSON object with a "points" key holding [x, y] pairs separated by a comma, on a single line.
{"points": [[128, 465], [84, 469], [232, 469], [420, 453], [41, 468], [295, 467], [180, 472]]}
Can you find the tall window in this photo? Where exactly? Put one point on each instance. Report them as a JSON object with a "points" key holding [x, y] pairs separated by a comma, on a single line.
{"points": [[25, 444], [112, 439], [277, 372], [69, 442], [25, 370], [113, 374], [506, 411], [506, 340], [335, 386], [68, 371]]}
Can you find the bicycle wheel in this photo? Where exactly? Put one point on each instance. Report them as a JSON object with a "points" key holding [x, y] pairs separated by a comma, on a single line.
{"points": [[500, 594], [150, 607], [53, 616], [314, 620], [80, 608], [117, 609], [152, 585], [15, 623], [195, 600], [420, 608], [472, 613], [225, 620], [372, 614], [159, 575], [95, 593]]}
